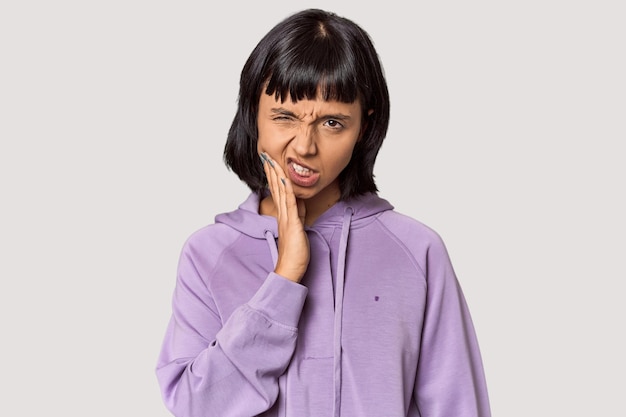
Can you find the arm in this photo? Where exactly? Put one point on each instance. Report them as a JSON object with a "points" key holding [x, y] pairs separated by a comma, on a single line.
{"points": [[209, 370], [206, 369], [450, 378]]}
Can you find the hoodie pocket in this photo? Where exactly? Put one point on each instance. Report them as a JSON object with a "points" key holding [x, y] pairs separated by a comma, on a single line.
{"points": [[310, 388]]}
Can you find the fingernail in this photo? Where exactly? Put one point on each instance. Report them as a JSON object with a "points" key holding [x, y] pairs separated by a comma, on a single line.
{"points": [[282, 180], [268, 160], [262, 158]]}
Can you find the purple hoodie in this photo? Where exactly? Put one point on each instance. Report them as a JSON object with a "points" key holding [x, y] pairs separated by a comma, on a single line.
{"points": [[377, 327]]}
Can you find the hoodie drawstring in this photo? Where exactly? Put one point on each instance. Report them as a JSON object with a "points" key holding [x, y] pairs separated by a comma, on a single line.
{"points": [[339, 287], [271, 242], [341, 269]]}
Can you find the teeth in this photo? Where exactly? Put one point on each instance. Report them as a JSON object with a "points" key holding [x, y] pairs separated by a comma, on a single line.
{"points": [[300, 169]]}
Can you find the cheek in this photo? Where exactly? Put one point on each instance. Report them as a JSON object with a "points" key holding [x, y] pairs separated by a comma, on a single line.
{"points": [[342, 157], [263, 142], [260, 146], [272, 140]]}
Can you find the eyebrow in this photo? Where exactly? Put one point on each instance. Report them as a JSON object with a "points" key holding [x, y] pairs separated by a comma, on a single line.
{"points": [[284, 112]]}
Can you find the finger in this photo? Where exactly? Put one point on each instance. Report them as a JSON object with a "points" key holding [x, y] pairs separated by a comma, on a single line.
{"points": [[287, 206], [287, 194], [276, 181], [271, 179], [291, 203]]}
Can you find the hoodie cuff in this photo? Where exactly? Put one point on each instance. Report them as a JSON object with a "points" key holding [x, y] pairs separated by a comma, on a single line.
{"points": [[280, 300]]}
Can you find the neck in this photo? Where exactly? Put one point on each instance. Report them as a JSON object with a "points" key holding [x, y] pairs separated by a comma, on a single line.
{"points": [[317, 205]]}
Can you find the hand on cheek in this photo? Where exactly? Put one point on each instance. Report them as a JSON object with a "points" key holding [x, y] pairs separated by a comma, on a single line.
{"points": [[293, 243]]}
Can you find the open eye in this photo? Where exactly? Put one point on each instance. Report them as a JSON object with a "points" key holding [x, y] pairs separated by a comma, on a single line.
{"points": [[333, 124]]}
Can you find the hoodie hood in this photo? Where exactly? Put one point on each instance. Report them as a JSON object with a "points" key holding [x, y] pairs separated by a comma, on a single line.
{"points": [[247, 220]]}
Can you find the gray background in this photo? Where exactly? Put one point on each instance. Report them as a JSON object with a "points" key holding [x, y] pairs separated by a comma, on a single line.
{"points": [[506, 137]]}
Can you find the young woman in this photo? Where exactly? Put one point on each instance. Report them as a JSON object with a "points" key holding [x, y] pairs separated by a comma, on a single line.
{"points": [[314, 297]]}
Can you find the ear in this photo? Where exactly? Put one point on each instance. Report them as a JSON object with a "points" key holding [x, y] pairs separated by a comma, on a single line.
{"points": [[364, 124]]}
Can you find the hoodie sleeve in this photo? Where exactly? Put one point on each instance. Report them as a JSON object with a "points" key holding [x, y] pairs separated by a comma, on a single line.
{"points": [[450, 378], [209, 369]]}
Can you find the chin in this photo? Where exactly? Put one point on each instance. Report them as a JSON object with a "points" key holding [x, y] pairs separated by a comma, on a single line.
{"points": [[304, 194]]}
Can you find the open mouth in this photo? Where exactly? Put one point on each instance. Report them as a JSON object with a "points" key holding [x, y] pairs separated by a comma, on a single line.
{"points": [[302, 175], [300, 170]]}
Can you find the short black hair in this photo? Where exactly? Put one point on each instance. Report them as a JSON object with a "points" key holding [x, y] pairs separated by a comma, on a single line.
{"points": [[311, 52]]}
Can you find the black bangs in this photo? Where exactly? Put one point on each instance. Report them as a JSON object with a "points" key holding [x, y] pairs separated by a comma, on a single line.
{"points": [[305, 69]]}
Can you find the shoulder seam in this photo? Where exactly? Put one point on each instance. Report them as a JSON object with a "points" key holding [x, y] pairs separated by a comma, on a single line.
{"points": [[404, 248]]}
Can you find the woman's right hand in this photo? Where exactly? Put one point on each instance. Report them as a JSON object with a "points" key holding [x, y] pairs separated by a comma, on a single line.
{"points": [[293, 243]]}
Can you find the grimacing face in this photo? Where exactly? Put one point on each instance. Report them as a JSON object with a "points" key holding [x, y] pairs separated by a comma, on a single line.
{"points": [[312, 140]]}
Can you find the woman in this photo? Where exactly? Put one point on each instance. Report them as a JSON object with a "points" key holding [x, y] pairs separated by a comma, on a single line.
{"points": [[314, 297]]}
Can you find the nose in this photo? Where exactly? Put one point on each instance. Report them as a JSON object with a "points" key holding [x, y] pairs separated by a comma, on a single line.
{"points": [[304, 142]]}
